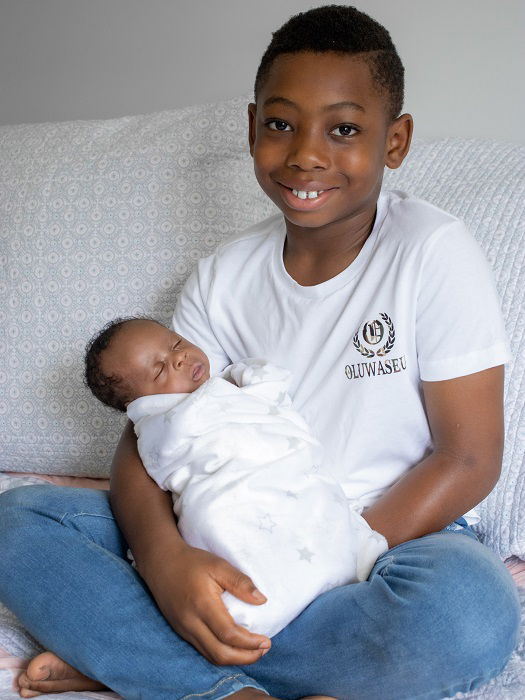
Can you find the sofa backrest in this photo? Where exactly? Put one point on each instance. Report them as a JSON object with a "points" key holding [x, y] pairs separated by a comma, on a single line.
{"points": [[107, 218], [99, 220]]}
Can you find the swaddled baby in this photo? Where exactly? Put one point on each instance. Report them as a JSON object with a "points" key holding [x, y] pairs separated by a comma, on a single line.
{"points": [[248, 479]]}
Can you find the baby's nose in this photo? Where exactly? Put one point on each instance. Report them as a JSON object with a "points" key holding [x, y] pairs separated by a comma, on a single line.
{"points": [[179, 359]]}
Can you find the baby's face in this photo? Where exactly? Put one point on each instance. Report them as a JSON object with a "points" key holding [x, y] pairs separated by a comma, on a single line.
{"points": [[154, 360]]}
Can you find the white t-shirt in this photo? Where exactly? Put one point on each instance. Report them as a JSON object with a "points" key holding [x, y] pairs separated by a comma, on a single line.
{"points": [[418, 303]]}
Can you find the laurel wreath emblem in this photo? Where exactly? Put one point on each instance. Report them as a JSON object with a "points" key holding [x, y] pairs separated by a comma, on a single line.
{"points": [[386, 347], [364, 351], [391, 336]]}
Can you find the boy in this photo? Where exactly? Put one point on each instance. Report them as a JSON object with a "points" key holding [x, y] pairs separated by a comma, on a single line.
{"points": [[366, 296], [246, 474]]}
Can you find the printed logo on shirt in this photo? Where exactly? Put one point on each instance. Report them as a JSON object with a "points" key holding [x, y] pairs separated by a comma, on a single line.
{"points": [[373, 333], [375, 339]]}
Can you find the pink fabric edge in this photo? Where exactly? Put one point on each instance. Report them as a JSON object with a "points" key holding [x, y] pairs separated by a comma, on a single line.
{"points": [[83, 482], [14, 664], [7, 661], [516, 569]]}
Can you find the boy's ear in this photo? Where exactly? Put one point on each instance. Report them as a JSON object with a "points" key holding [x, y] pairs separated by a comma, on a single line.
{"points": [[398, 140], [252, 116]]}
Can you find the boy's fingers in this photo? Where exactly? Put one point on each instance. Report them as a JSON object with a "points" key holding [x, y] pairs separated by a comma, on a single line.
{"points": [[240, 585], [227, 632], [206, 642]]}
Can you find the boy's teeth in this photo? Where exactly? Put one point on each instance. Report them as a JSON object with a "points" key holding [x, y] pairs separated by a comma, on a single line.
{"points": [[302, 194]]}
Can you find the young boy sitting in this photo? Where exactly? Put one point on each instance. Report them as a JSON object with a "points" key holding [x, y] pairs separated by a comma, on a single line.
{"points": [[245, 472], [384, 308]]}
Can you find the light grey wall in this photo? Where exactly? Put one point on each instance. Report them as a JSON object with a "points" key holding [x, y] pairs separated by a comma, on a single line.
{"points": [[68, 59]]}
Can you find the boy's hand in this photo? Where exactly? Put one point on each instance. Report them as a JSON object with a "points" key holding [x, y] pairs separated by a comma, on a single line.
{"points": [[187, 589]]}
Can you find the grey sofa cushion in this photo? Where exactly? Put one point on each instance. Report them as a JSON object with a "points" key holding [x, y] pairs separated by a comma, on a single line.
{"points": [[98, 220]]}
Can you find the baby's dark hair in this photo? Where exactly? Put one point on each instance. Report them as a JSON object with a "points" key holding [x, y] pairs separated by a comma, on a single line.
{"points": [[112, 390], [345, 30]]}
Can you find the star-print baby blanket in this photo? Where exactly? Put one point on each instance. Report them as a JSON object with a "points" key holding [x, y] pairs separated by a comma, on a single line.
{"points": [[250, 484]]}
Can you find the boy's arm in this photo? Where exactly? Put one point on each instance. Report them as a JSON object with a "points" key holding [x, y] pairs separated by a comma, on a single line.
{"points": [[186, 583], [466, 420]]}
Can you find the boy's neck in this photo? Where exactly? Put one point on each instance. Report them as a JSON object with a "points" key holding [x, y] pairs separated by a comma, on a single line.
{"points": [[313, 256]]}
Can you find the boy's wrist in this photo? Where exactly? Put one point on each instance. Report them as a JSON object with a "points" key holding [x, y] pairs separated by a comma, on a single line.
{"points": [[151, 557]]}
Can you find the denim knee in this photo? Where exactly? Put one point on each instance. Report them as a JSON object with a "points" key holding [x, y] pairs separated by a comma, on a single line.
{"points": [[457, 597], [41, 509], [25, 505], [16, 522], [487, 625], [14, 503]]}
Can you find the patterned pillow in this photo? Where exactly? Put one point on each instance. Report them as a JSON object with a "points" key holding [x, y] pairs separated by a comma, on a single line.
{"points": [[97, 220]]}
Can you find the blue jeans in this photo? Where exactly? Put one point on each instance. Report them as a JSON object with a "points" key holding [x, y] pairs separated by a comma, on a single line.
{"points": [[437, 615]]}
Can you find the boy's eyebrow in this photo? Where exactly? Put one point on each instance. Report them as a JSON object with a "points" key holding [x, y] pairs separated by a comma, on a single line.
{"points": [[289, 103], [345, 103]]}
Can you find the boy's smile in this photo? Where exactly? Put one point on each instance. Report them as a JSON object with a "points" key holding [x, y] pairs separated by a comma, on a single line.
{"points": [[320, 137]]}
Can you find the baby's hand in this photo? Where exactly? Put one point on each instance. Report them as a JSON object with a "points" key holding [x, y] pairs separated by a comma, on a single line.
{"points": [[188, 590]]}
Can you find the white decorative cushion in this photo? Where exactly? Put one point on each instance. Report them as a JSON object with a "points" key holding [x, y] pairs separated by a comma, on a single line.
{"points": [[101, 219], [98, 220]]}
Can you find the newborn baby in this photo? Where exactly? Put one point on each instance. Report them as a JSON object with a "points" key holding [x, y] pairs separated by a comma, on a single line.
{"points": [[248, 479]]}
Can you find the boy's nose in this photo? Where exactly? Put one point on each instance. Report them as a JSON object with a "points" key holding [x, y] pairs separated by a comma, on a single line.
{"points": [[308, 152]]}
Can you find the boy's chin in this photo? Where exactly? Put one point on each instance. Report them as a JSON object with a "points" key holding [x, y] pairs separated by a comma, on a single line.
{"points": [[308, 220]]}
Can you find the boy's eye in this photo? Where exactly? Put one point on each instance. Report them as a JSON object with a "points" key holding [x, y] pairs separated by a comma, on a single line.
{"points": [[344, 130], [158, 371], [278, 125]]}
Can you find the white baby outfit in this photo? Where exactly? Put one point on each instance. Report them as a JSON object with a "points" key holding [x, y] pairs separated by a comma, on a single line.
{"points": [[250, 484]]}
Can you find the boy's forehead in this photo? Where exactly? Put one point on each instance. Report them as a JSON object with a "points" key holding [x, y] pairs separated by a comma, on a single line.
{"points": [[330, 77]]}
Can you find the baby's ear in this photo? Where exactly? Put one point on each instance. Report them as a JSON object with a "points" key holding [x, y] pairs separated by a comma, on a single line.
{"points": [[398, 140]]}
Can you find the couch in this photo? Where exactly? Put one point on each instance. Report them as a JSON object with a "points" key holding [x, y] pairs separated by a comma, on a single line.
{"points": [[106, 218]]}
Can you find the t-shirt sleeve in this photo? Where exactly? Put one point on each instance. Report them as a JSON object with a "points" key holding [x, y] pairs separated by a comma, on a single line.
{"points": [[459, 325], [190, 318]]}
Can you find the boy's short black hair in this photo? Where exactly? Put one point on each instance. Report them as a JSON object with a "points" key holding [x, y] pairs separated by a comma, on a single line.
{"points": [[113, 390], [341, 29]]}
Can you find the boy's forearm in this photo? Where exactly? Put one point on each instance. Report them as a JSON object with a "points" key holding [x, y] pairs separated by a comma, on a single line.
{"points": [[429, 497], [466, 422], [143, 511]]}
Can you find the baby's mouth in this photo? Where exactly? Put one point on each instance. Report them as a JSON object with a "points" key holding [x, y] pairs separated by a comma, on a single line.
{"points": [[197, 372]]}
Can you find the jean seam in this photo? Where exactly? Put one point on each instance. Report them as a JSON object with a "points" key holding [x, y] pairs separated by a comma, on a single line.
{"points": [[78, 515], [215, 687]]}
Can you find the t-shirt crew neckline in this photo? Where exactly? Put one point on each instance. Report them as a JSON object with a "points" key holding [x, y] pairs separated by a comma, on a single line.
{"points": [[317, 291]]}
